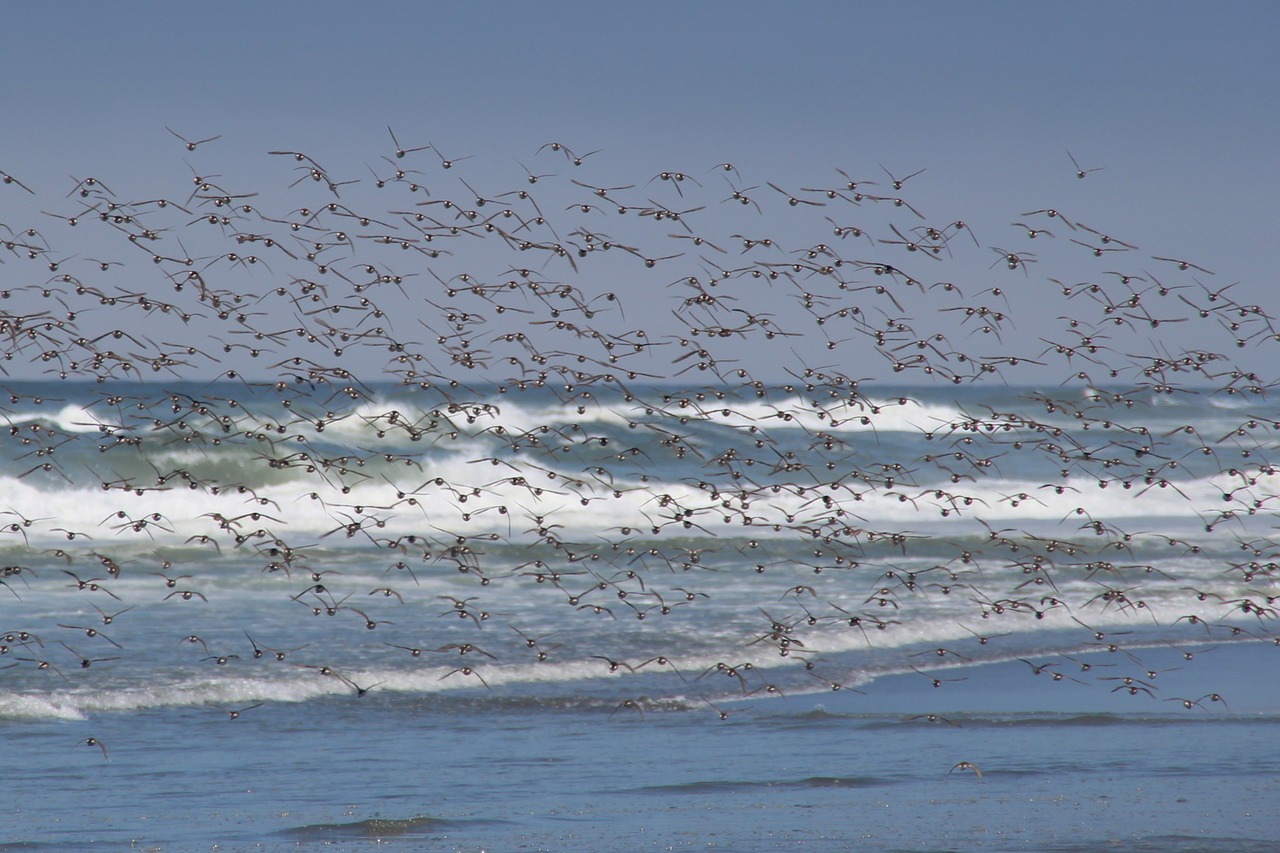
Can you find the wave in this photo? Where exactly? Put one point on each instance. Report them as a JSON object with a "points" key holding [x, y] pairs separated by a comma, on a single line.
{"points": [[592, 685], [459, 497], [712, 787], [71, 418], [378, 828]]}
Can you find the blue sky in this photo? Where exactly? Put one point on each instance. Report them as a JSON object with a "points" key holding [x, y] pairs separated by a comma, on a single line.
{"points": [[1179, 102], [1110, 79]]}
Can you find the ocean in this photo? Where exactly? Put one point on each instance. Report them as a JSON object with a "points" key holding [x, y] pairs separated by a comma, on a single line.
{"points": [[183, 673]]}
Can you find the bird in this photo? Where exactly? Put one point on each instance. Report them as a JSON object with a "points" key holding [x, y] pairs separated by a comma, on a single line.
{"points": [[234, 713], [279, 376], [1081, 172], [94, 742], [629, 705], [967, 765], [191, 144]]}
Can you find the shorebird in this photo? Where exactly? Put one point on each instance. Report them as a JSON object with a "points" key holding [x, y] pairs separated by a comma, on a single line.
{"points": [[967, 765], [94, 742], [268, 320]]}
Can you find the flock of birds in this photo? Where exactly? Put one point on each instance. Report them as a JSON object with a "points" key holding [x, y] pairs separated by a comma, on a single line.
{"points": [[689, 296]]}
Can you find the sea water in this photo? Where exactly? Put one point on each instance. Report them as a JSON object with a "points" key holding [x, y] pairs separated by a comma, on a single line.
{"points": [[209, 651]]}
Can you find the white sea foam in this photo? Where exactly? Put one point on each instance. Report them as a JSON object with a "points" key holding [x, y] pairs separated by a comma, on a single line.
{"points": [[70, 418]]}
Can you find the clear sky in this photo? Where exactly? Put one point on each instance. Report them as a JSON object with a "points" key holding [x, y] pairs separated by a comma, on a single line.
{"points": [[1177, 103]]}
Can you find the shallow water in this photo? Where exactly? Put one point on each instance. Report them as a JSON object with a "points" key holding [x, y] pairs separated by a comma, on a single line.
{"points": [[1061, 770]]}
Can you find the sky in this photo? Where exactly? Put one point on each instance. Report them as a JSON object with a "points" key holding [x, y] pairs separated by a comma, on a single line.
{"points": [[1176, 104]]}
